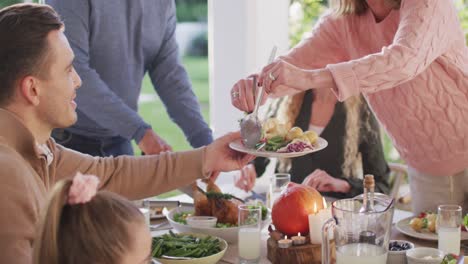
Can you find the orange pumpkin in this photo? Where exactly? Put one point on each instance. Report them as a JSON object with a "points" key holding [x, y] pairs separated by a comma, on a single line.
{"points": [[290, 211]]}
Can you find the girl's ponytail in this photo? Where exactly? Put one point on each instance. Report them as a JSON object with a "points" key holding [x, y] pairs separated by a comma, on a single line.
{"points": [[46, 247]]}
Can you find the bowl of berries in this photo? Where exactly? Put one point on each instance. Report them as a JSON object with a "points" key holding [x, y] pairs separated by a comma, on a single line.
{"points": [[397, 251]]}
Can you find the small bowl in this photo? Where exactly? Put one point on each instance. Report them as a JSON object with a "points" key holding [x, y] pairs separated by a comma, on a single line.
{"points": [[424, 255], [201, 221], [398, 257]]}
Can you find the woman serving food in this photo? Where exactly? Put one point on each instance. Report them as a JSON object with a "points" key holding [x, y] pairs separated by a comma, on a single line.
{"points": [[408, 59]]}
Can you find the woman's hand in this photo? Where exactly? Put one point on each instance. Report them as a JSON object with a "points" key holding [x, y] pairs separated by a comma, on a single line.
{"points": [[323, 182], [242, 94], [246, 179], [281, 78]]}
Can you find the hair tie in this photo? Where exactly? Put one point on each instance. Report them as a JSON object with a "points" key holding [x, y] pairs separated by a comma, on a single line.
{"points": [[83, 189]]}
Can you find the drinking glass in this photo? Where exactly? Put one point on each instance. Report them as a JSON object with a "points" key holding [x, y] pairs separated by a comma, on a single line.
{"points": [[278, 184], [250, 217], [144, 207], [449, 218]]}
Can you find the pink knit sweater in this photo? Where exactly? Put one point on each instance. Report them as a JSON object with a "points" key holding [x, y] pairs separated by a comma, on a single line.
{"points": [[412, 67]]}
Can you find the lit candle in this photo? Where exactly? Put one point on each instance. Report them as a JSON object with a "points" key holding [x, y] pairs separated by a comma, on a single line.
{"points": [[298, 240], [315, 227], [316, 221], [327, 213], [285, 243]]}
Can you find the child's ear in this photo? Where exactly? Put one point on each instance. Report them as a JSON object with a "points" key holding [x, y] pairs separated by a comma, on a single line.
{"points": [[30, 89]]}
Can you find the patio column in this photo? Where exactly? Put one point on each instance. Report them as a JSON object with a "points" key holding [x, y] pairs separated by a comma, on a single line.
{"points": [[241, 36]]}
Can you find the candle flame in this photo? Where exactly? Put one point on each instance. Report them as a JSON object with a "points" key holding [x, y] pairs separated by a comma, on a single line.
{"points": [[324, 203], [285, 237], [315, 207], [299, 234]]}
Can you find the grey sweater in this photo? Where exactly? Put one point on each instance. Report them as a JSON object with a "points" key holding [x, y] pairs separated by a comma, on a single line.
{"points": [[115, 43]]}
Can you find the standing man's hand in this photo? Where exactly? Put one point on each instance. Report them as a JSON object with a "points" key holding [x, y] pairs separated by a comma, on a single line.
{"points": [[152, 144], [220, 157]]}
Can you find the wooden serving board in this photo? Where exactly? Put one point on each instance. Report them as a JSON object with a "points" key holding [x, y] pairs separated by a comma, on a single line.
{"points": [[307, 253]]}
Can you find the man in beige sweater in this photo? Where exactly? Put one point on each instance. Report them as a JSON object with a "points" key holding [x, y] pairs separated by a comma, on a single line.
{"points": [[37, 86]]}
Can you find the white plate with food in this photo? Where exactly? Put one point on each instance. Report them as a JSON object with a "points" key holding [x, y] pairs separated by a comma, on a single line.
{"points": [[159, 209], [213, 202], [405, 227], [177, 216], [277, 141], [239, 146]]}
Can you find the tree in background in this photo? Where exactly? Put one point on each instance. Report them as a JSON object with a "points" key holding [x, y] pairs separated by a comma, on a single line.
{"points": [[302, 16]]}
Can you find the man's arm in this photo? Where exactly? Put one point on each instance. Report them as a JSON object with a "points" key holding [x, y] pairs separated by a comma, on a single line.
{"points": [[140, 177], [95, 99], [133, 177], [18, 211], [172, 84]]}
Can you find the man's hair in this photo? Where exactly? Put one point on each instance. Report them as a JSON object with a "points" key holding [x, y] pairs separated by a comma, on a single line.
{"points": [[23, 46]]}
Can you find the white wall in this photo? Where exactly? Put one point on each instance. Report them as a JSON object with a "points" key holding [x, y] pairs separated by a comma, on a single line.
{"points": [[241, 34]]}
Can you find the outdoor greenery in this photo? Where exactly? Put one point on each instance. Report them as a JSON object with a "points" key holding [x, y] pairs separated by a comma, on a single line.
{"points": [[192, 10], [4, 3]]}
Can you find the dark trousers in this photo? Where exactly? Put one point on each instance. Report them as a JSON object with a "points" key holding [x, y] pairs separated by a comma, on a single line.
{"points": [[113, 146]]}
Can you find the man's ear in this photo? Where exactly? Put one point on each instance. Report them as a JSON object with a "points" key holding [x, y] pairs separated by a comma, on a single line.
{"points": [[30, 89]]}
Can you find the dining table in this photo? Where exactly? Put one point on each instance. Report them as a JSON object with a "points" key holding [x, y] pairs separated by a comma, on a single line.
{"points": [[232, 256]]}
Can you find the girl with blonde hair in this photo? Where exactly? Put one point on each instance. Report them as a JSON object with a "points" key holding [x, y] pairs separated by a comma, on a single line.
{"points": [[81, 225], [409, 60]]}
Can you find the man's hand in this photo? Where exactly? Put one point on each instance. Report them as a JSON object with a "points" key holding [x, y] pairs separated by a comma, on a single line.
{"points": [[323, 182], [220, 157], [246, 179], [152, 144]]}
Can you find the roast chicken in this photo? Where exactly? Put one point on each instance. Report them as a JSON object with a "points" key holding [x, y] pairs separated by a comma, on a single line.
{"points": [[215, 203]]}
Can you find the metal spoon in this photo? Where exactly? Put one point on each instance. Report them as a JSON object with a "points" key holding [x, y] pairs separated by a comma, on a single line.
{"points": [[250, 126]]}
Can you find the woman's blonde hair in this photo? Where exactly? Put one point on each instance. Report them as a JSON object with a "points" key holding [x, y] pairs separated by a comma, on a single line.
{"points": [[93, 232], [358, 7]]}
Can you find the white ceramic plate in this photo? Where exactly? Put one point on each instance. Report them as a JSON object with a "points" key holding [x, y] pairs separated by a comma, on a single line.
{"points": [[239, 146], [159, 209], [205, 260], [404, 227], [229, 233]]}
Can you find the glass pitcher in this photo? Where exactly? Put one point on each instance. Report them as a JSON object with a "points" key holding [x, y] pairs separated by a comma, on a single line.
{"points": [[360, 238]]}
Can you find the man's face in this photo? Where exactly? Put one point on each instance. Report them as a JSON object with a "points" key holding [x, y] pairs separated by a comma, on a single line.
{"points": [[57, 107]]}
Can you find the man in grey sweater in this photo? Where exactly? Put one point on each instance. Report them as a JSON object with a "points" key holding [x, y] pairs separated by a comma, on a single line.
{"points": [[116, 43]]}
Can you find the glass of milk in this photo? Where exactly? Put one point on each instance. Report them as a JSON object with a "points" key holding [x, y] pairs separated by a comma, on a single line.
{"points": [[449, 219], [250, 217]]}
